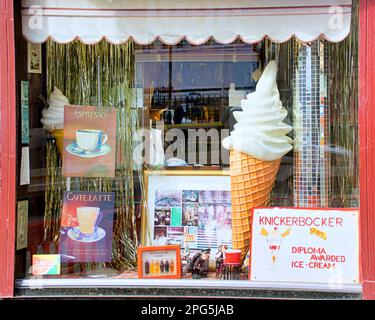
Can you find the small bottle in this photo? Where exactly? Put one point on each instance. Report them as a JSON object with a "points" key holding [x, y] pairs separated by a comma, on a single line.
{"points": [[157, 266], [147, 267], [171, 266], [161, 266], [152, 268], [166, 266]]}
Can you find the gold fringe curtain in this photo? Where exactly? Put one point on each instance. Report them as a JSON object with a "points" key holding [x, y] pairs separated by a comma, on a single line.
{"points": [[343, 84], [73, 69], [286, 55], [343, 99]]}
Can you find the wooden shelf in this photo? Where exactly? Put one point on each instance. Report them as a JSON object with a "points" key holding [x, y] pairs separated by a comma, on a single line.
{"points": [[193, 125], [178, 168]]}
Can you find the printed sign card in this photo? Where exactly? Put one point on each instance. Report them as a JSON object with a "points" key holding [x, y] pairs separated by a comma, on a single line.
{"points": [[305, 245], [89, 141], [25, 166], [86, 226], [46, 264], [25, 112]]}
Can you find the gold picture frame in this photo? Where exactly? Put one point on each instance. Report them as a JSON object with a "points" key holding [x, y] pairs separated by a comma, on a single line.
{"points": [[146, 233]]}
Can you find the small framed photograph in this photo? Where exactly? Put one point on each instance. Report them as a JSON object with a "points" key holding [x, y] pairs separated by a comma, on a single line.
{"points": [[22, 224], [159, 262], [34, 57]]}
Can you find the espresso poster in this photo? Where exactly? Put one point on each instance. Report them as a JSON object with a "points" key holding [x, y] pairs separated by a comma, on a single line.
{"points": [[86, 226], [89, 141]]}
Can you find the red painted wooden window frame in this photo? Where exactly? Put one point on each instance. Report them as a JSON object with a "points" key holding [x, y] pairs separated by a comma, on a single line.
{"points": [[367, 144], [7, 149], [366, 132]]}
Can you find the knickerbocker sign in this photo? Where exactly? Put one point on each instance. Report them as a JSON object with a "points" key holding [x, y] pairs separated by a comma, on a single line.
{"points": [[305, 245]]}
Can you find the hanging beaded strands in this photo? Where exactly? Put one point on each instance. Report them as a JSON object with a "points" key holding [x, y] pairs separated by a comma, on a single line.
{"points": [[73, 67]]}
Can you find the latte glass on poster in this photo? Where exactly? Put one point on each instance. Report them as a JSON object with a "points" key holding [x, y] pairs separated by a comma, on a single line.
{"points": [[89, 141], [88, 220], [86, 227]]}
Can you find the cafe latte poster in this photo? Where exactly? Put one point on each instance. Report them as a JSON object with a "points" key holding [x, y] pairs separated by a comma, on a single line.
{"points": [[86, 226], [89, 141]]}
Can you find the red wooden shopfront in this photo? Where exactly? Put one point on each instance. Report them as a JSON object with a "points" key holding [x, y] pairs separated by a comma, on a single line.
{"points": [[8, 147]]}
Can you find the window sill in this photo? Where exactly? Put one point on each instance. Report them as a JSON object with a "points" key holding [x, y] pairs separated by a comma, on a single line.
{"points": [[184, 288]]}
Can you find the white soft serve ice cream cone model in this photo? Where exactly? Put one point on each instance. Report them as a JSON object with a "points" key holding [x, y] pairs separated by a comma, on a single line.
{"points": [[257, 144], [53, 117]]}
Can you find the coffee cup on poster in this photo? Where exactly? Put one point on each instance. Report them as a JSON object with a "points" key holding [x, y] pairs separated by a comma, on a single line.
{"points": [[90, 139], [88, 219]]}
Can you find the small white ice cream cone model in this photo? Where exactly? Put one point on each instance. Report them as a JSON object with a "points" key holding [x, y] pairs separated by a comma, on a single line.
{"points": [[257, 144], [53, 117]]}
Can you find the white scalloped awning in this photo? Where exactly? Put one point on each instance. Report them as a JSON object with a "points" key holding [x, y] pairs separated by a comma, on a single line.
{"points": [[197, 21]]}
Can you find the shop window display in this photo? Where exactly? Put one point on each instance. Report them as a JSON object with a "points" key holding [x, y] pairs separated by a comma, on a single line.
{"points": [[136, 146]]}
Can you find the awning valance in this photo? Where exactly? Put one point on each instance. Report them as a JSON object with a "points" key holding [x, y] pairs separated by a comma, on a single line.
{"points": [[197, 21]]}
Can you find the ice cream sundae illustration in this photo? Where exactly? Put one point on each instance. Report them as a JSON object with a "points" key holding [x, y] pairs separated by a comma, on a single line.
{"points": [[257, 144], [274, 240]]}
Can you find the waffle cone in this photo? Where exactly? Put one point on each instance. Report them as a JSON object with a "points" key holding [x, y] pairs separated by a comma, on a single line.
{"points": [[58, 134], [251, 185]]}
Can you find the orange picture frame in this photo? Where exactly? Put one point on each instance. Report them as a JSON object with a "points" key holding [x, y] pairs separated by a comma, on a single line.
{"points": [[159, 262]]}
